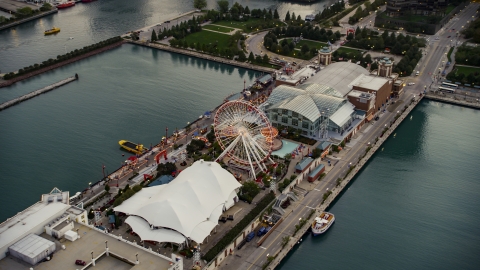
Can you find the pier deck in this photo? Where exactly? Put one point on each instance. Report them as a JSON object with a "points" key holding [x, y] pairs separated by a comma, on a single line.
{"points": [[12, 6], [35, 93]]}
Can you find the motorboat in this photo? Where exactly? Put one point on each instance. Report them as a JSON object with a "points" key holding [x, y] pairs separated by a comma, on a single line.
{"points": [[132, 147], [54, 30]]}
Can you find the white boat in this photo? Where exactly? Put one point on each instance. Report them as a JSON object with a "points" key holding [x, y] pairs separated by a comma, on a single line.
{"points": [[322, 223]]}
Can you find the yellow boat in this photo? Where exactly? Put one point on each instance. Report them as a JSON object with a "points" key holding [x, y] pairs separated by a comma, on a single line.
{"points": [[132, 147], [52, 31]]}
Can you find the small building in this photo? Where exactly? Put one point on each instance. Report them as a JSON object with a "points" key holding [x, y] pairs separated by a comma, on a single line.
{"points": [[59, 228], [32, 249], [364, 102], [398, 87], [303, 165], [379, 86], [325, 147], [316, 173], [265, 80], [309, 18], [325, 56]]}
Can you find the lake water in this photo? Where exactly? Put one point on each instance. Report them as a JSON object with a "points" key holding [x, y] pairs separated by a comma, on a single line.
{"points": [[89, 23], [62, 138], [415, 206]]}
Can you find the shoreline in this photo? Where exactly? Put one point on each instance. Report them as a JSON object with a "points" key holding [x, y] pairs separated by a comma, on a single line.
{"points": [[6, 83], [43, 14], [203, 56]]}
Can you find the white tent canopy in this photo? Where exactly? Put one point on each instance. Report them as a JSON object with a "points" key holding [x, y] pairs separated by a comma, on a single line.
{"points": [[191, 204], [142, 228]]}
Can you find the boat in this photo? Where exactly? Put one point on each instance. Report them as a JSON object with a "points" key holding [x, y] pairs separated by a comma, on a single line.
{"points": [[66, 4], [322, 223], [132, 147], [52, 31]]}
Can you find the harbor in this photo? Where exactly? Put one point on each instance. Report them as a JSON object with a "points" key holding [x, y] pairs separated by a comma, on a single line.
{"points": [[161, 112]]}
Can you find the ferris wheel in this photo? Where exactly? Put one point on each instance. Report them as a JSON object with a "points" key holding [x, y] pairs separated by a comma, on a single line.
{"points": [[244, 133]]}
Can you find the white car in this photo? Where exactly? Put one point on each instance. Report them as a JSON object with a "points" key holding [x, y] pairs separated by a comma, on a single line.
{"points": [[411, 83]]}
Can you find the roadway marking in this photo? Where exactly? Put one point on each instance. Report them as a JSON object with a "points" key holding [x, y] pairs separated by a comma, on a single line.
{"points": [[262, 247], [310, 207], [316, 189]]}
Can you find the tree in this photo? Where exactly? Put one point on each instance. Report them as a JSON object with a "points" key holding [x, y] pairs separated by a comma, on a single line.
{"points": [[247, 10], [305, 48], [368, 58], [223, 6], [199, 4], [251, 58], [265, 59], [275, 14], [242, 57], [293, 16], [350, 36], [154, 36], [287, 16], [46, 7], [107, 188], [316, 153]]}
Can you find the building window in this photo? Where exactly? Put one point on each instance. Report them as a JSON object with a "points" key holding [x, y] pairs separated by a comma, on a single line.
{"points": [[305, 124], [285, 120], [275, 117], [294, 122], [294, 114], [285, 111]]}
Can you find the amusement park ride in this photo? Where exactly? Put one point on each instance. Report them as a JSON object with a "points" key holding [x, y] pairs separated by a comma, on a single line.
{"points": [[245, 135]]}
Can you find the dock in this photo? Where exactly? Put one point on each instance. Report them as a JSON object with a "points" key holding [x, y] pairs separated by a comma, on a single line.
{"points": [[35, 93], [34, 17]]}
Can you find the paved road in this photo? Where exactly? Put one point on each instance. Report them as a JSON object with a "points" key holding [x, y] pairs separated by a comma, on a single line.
{"points": [[433, 58]]}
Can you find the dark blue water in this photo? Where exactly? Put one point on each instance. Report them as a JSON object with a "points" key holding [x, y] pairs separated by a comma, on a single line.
{"points": [[62, 138], [415, 206]]}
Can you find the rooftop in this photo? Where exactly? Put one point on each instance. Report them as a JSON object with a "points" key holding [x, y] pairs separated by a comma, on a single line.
{"points": [[339, 76], [304, 72], [304, 163], [93, 240], [356, 93], [39, 213], [370, 82]]}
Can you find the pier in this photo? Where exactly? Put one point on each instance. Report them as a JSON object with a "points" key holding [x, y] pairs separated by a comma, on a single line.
{"points": [[35, 93]]}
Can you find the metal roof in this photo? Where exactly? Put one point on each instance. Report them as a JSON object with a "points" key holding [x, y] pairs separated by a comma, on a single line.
{"points": [[342, 115], [304, 163], [311, 101], [339, 76]]}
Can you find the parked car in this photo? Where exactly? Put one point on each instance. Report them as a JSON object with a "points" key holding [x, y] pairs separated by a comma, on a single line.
{"points": [[80, 262], [262, 231], [250, 236], [376, 118], [411, 83]]}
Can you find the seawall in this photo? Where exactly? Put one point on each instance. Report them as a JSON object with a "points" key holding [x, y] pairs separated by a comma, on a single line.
{"points": [[5, 83], [203, 56], [472, 103], [46, 13], [35, 93], [339, 188]]}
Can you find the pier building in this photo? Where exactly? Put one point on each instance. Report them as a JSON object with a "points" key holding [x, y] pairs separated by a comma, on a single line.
{"points": [[52, 234], [187, 209], [333, 103]]}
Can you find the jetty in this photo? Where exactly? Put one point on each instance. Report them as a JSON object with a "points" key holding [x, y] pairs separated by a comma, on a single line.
{"points": [[35, 93], [467, 102]]}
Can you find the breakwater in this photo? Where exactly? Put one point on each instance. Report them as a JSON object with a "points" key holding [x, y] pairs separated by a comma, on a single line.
{"points": [[9, 82], [335, 192], [203, 56], [46, 13], [35, 93], [472, 103]]}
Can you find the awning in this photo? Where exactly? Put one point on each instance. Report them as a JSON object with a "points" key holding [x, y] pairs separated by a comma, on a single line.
{"points": [[370, 117]]}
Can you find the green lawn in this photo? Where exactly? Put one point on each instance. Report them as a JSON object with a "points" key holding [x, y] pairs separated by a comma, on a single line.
{"points": [[449, 54], [348, 50], [310, 43], [243, 25], [207, 37], [466, 70], [217, 28]]}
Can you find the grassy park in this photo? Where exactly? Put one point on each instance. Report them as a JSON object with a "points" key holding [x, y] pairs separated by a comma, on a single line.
{"points": [[248, 26], [466, 70], [217, 28], [207, 37], [311, 44]]}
